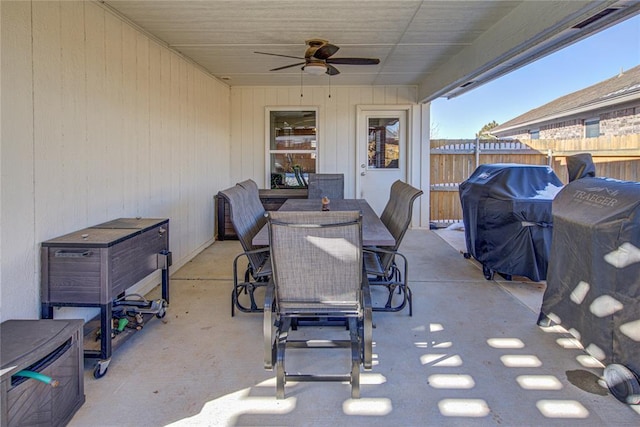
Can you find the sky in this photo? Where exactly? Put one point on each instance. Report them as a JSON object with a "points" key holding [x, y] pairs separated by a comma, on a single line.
{"points": [[582, 64]]}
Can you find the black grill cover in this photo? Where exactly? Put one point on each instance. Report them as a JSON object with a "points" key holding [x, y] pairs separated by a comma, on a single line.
{"points": [[506, 210], [593, 285]]}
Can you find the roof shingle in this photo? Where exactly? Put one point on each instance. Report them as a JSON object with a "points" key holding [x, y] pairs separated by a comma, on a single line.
{"points": [[622, 85]]}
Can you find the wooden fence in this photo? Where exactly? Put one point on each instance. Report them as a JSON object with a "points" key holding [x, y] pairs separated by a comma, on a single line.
{"points": [[452, 161]]}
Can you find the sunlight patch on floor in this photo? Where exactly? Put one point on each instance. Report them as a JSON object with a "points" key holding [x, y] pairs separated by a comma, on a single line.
{"points": [[569, 343], [372, 379], [539, 382], [232, 405], [505, 343], [441, 360], [520, 361], [463, 408], [451, 381], [589, 361], [562, 409], [368, 406]]}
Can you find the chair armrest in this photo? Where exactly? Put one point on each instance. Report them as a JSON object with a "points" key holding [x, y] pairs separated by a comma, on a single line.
{"points": [[244, 254], [268, 327], [377, 251], [367, 324]]}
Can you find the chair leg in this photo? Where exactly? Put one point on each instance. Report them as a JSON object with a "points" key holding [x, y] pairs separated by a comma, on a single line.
{"points": [[281, 346], [233, 302], [355, 359], [246, 287], [391, 288], [270, 327], [392, 280]]}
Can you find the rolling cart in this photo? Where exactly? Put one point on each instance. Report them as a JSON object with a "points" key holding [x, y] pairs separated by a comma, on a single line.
{"points": [[93, 267]]}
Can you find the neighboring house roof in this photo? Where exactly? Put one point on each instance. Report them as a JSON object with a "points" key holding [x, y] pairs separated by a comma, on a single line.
{"points": [[622, 88]]}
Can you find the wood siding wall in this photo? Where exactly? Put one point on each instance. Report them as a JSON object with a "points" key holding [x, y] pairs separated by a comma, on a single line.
{"points": [[99, 122], [336, 130]]}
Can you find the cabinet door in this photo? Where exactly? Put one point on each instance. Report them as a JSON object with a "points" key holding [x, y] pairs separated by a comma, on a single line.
{"points": [[292, 146]]}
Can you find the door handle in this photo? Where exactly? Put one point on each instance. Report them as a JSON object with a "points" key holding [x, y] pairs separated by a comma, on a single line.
{"points": [[362, 166], [363, 173]]}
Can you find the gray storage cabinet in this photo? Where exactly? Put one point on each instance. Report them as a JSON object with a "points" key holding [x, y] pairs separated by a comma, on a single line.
{"points": [[93, 266], [49, 347]]}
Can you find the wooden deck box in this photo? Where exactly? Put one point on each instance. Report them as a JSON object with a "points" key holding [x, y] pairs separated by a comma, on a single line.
{"points": [[271, 200], [49, 347], [96, 264]]}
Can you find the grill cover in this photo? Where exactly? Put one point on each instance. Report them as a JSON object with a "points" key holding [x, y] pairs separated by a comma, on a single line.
{"points": [[507, 217], [593, 285]]}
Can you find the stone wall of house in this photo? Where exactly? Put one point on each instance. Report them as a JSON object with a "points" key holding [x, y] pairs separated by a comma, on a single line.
{"points": [[567, 129], [621, 122]]}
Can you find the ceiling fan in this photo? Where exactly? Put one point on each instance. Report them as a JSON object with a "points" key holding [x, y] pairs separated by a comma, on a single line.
{"points": [[317, 58]]}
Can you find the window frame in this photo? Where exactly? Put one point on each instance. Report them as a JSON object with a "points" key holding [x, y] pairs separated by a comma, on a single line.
{"points": [[589, 122], [269, 137]]}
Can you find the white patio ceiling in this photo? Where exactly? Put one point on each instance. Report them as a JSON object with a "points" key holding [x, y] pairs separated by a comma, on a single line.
{"points": [[439, 46]]}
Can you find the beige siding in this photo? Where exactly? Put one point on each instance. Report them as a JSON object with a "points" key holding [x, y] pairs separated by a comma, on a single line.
{"points": [[17, 196], [336, 128], [99, 122]]}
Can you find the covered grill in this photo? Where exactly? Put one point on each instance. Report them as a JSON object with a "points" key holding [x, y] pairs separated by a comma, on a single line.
{"points": [[507, 218], [593, 285]]}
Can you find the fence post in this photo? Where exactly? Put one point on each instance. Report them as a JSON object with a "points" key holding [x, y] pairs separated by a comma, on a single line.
{"points": [[477, 153], [550, 157]]}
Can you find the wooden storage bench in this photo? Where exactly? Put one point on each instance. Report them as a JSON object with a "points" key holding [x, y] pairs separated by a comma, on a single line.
{"points": [[271, 200]]}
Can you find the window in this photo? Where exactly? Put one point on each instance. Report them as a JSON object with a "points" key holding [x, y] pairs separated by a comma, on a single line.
{"points": [[592, 128], [534, 134], [292, 146]]}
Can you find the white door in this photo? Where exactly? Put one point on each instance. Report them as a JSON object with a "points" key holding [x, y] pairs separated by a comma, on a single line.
{"points": [[382, 155]]}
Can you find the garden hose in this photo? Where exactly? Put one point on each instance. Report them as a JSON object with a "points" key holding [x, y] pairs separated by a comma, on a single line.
{"points": [[38, 376]]}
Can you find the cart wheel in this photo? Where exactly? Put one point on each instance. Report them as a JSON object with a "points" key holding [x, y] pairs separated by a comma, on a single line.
{"points": [[161, 314], [622, 383], [101, 369], [466, 255], [488, 273]]}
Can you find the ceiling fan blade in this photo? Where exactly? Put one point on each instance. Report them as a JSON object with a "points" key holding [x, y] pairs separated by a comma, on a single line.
{"points": [[277, 54], [353, 61], [288, 66], [325, 51], [331, 70]]}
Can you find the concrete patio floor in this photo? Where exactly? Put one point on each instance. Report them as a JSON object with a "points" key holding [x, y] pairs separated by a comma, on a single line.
{"points": [[472, 354]]}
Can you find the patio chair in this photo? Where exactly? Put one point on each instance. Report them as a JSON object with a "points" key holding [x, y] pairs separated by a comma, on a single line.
{"points": [[248, 217], [330, 185], [380, 262], [250, 185], [317, 272], [255, 207]]}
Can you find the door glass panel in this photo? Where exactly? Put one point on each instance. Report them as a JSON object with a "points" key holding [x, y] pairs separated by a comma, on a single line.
{"points": [[384, 143]]}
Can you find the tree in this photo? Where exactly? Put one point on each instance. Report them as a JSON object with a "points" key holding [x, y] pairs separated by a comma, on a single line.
{"points": [[484, 131], [435, 130]]}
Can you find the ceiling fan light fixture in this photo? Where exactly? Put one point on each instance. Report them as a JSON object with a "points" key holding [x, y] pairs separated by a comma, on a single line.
{"points": [[315, 68]]}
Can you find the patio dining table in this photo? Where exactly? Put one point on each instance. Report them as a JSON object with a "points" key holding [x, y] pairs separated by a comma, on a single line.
{"points": [[374, 232]]}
